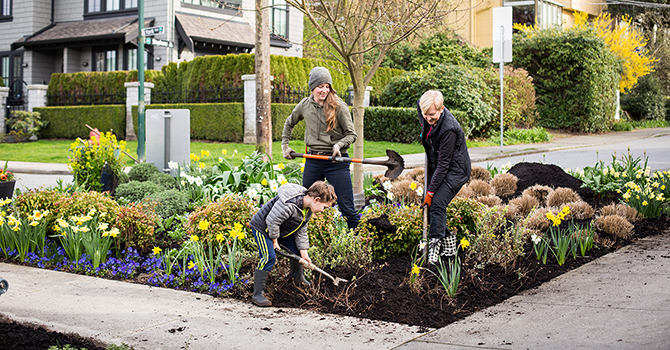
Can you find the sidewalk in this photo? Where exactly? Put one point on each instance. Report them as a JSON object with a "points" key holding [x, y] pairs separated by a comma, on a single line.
{"points": [[620, 301], [417, 160]]}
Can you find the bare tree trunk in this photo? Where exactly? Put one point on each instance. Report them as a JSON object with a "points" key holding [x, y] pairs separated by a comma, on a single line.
{"points": [[356, 72], [263, 88]]}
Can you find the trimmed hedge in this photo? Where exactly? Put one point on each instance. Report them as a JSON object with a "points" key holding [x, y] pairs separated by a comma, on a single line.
{"points": [[392, 124], [279, 114], [209, 121], [208, 72], [575, 75], [69, 122]]}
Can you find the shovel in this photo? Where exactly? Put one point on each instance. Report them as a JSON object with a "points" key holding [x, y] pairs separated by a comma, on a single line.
{"points": [[395, 162], [286, 253]]}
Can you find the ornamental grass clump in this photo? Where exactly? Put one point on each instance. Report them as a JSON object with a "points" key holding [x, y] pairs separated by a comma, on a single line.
{"points": [[407, 192], [520, 207], [466, 192], [479, 173], [540, 192], [537, 220], [622, 209], [614, 225], [562, 196], [505, 184], [580, 210], [497, 241], [481, 188], [490, 200]]}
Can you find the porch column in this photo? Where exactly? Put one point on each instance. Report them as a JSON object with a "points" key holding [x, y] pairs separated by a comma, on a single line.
{"points": [[37, 96], [4, 92], [250, 107]]}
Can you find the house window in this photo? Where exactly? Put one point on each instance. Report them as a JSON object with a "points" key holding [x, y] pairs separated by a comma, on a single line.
{"points": [[105, 61], [279, 18], [546, 14], [97, 6], [131, 59], [4, 70], [5, 8], [220, 4]]}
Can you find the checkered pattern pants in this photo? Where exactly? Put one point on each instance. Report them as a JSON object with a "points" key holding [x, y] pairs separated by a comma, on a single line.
{"points": [[441, 247]]}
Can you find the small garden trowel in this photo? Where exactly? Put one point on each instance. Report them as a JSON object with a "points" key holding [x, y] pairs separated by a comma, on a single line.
{"points": [[287, 253]]}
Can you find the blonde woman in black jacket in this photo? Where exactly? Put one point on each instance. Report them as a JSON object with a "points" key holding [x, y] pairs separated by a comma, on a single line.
{"points": [[448, 169]]}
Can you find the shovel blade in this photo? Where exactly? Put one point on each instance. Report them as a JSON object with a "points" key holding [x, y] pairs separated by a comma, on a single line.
{"points": [[395, 164]]}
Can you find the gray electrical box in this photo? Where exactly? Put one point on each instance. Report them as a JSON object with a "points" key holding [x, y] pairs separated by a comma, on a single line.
{"points": [[168, 137]]}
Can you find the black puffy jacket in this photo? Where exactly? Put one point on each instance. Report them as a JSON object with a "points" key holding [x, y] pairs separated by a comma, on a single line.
{"points": [[448, 157]]}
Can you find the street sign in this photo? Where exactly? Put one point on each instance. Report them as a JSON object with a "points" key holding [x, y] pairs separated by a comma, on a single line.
{"points": [[151, 31], [502, 34], [159, 42]]}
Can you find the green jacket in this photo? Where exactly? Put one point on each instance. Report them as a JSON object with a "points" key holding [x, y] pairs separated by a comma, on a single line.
{"points": [[316, 136]]}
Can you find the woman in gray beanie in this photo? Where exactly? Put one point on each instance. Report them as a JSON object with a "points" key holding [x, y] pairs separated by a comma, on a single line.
{"points": [[329, 130]]}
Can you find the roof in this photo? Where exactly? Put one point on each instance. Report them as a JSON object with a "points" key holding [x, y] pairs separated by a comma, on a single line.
{"points": [[193, 29], [85, 32]]}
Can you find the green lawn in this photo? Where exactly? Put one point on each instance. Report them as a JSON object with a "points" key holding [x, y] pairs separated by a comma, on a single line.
{"points": [[56, 151]]}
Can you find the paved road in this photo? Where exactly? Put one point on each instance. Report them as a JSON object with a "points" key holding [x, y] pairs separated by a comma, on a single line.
{"points": [[657, 150]]}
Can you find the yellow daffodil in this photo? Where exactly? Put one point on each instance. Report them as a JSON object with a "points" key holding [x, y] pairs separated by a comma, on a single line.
{"points": [[204, 153], [114, 232], [415, 270], [34, 223], [219, 237], [156, 250], [644, 203], [281, 166], [464, 243], [103, 226], [201, 165], [191, 265], [224, 152], [203, 225], [264, 182], [412, 186]]}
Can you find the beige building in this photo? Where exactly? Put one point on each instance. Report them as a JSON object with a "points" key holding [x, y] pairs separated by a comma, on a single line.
{"points": [[474, 19]]}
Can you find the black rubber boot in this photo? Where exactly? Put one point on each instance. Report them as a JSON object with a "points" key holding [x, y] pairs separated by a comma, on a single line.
{"points": [[298, 273], [260, 278]]}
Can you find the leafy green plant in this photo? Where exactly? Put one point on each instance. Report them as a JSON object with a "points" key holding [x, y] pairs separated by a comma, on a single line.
{"points": [[338, 246], [135, 191], [540, 247], [221, 216], [136, 223], [169, 203], [449, 275], [87, 158], [403, 235], [462, 217], [142, 172], [646, 198], [25, 234], [23, 124], [86, 234]]}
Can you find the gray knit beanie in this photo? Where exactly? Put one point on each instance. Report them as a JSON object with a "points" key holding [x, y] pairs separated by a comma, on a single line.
{"points": [[318, 76]]}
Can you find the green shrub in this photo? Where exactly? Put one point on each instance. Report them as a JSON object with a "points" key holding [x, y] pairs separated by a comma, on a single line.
{"points": [[123, 177], [222, 216], [280, 113], [407, 221], [23, 124], [95, 82], [518, 96], [575, 76], [646, 100], [444, 48], [392, 124], [170, 202], [462, 216], [70, 122], [142, 172], [333, 244], [622, 125], [41, 200], [463, 90], [135, 191], [82, 203], [164, 180], [136, 223]]}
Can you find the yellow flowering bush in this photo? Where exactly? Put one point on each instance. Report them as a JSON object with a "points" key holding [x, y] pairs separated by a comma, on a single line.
{"points": [[87, 158], [220, 217]]}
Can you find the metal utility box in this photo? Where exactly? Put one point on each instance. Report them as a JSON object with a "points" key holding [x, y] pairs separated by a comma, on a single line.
{"points": [[168, 137]]}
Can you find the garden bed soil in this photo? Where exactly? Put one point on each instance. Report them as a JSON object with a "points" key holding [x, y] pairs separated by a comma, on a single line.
{"points": [[25, 336], [381, 291]]}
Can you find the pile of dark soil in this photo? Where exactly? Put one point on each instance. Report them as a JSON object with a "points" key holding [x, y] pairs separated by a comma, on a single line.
{"points": [[381, 291], [14, 335]]}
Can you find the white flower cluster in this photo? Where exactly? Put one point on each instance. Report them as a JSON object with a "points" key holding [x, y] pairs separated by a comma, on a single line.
{"points": [[190, 179]]}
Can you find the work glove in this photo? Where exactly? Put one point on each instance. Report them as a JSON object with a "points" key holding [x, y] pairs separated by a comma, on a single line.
{"points": [[428, 199], [286, 151], [336, 151]]}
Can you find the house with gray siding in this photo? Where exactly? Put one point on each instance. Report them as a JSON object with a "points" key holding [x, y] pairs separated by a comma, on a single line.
{"points": [[42, 37]]}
